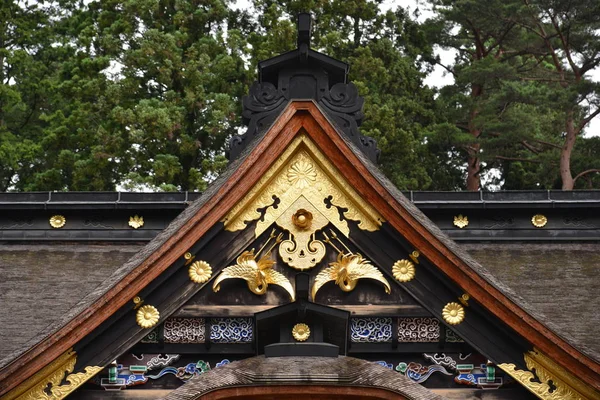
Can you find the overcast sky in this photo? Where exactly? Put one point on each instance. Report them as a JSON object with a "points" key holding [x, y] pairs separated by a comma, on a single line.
{"points": [[438, 78]]}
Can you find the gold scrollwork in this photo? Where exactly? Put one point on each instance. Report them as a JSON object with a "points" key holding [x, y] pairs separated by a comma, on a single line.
{"points": [[302, 251], [257, 274], [565, 386], [302, 170], [414, 256], [45, 385]]}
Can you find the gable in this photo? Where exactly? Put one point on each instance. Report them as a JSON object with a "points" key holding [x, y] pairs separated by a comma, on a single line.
{"points": [[369, 216]]}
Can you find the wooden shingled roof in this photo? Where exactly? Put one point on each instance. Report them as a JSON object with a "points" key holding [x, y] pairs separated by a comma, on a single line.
{"points": [[489, 294]]}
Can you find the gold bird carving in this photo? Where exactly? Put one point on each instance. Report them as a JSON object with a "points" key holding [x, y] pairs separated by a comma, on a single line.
{"points": [[257, 274], [346, 272]]}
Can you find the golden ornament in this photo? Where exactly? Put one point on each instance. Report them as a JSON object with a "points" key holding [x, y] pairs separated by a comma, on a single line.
{"points": [[136, 222], [301, 174], [539, 220], [147, 316], [57, 221], [461, 221], [346, 272], [414, 256], [301, 332], [403, 270], [453, 313], [257, 274], [200, 271], [302, 219]]}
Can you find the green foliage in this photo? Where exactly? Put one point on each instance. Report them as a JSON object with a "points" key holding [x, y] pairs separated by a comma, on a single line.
{"points": [[143, 94]]}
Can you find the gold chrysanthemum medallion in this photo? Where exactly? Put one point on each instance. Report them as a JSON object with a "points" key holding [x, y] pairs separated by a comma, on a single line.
{"points": [[200, 271], [453, 313], [403, 270], [136, 221], [147, 316], [539, 220], [57, 221], [301, 332]]}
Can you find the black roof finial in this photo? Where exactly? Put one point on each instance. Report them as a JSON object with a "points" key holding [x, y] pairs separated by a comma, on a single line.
{"points": [[304, 30]]}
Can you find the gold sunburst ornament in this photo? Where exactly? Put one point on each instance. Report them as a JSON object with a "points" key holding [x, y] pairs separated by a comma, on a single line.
{"points": [[403, 270], [200, 271], [147, 316], [136, 221], [57, 221], [453, 313], [301, 332], [539, 220], [461, 221]]}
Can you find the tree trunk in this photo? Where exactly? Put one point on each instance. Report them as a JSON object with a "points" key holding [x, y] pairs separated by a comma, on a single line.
{"points": [[565, 154], [473, 169]]}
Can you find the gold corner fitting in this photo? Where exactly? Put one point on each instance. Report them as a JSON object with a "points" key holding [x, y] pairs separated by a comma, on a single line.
{"points": [[51, 376], [566, 385]]}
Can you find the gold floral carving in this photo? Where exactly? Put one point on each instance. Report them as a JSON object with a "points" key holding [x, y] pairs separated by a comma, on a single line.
{"points": [[453, 313], [302, 170], [257, 274], [51, 376], [75, 380], [566, 385], [461, 221], [403, 270], [57, 221], [301, 332], [302, 251], [147, 316], [136, 221], [346, 272], [200, 272], [539, 220]]}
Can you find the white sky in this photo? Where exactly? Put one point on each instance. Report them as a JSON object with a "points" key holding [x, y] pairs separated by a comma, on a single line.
{"points": [[438, 77]]}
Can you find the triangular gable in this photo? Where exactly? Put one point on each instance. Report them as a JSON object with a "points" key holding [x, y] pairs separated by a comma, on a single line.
{"points": [[375, 213]]}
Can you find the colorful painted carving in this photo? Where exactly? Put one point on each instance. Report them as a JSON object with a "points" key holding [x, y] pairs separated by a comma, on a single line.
{"points": [[184, 330], [385, 364], [370, 330], [480, 376], [419, 373], [184, 373], [418, 329], [231, 330]]}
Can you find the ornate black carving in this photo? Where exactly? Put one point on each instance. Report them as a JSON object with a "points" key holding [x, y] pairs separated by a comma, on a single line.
{"points": [[500, 222], [18, 223], [577, 222], [303, 74], [260, 109], [344, 106]]}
